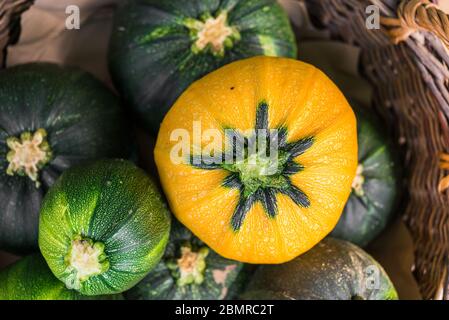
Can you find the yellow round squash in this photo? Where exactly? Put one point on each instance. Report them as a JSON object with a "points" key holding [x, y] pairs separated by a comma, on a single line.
{"points": [[257, 158]]}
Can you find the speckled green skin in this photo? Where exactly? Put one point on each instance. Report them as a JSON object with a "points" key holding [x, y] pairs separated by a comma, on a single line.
{"points": [[31, 279], [332, 270], [112, 202], [83, 120], [160, 284], [364, 217], [151, 59]]}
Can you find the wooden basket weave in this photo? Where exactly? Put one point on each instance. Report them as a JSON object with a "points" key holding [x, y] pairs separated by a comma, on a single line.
{"points": [[406, 61], [10, 11]]}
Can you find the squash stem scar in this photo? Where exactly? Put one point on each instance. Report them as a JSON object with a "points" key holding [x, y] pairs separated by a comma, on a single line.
{"points": [[260, 167], [190, 267], [212, 34], [28, 154], [85, 258]]}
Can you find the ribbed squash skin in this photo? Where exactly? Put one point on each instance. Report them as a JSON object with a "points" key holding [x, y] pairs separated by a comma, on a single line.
{"points": [[83, 121], [367, 214], [220, 274], [317, 130], [333, 270], [112, 202], [151, 59], [31, 279]]}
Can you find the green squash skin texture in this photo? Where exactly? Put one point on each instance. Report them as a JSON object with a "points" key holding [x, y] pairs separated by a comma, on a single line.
{"points": [[150, 56], [112, 202], [31, 279], [366, 216], [160, 284], [332, 270], [83, 120]]}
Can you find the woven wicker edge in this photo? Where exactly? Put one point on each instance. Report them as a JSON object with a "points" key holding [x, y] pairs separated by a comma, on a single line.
{"points": [[411, 93], [10, 11]]}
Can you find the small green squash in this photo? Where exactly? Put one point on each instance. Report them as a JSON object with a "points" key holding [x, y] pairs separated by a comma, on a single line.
{"points": [[158, 48], [31, 279], [375, 188], [333, 270], [189, 270], [51, 118], [103, 227]]}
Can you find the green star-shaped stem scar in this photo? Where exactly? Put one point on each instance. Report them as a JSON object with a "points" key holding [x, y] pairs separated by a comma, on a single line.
{"points": [[254, 171]]}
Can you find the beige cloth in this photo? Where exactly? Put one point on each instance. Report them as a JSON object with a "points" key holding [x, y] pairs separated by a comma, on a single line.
{"points": [[45, 37]]}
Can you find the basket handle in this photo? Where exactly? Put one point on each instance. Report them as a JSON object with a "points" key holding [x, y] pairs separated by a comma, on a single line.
{"points": [[418, 15]]}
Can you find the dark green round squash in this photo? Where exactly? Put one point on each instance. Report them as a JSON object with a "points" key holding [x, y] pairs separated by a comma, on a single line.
{"points": [[189, 270], [333, 270], [158, 48], [103, 226], [373, 200], [51, 118], [31, 279]]}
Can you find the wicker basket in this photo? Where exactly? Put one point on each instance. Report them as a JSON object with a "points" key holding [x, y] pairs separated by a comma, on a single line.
{"points": [[408, 68], [10, 11], [406, 61]]}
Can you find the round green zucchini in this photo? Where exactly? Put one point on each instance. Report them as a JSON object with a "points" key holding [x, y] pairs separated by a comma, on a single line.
{"points": [[51, 118], [333, 270], [103, 227], [372, 202], [31, 279], [189, 270], [158, 48]]}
